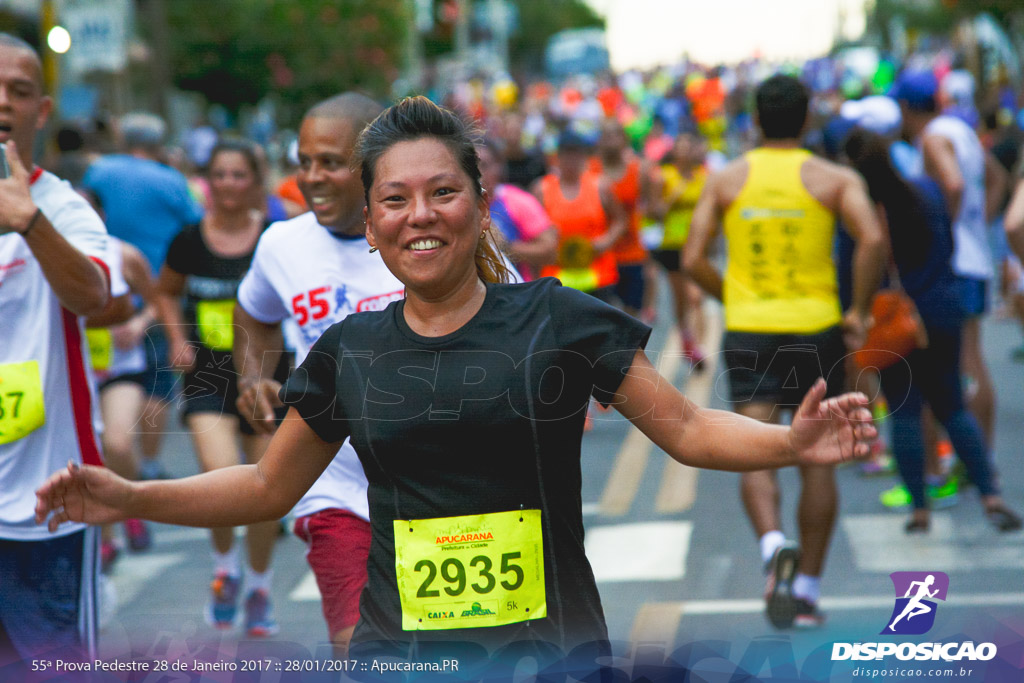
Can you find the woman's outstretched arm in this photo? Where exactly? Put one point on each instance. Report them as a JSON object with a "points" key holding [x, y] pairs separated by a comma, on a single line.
{"points": [[824, 431], [232, 496]]}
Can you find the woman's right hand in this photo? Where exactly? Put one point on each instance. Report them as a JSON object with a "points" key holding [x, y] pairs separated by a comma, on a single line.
{"points": [[83, 493]]}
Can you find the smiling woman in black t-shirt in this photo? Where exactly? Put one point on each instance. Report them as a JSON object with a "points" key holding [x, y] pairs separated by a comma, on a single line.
{"points": [[465, 403]]}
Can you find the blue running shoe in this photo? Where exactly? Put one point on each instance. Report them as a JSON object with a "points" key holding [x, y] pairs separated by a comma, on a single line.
{"points": [[223, 606], [259, 622]]}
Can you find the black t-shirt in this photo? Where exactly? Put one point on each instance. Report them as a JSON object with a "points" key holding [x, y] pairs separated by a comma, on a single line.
{"points": [[209, 277], [486, 419], [211, 291]]}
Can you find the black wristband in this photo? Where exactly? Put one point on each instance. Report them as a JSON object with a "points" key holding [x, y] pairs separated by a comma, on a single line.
{"points": [[31, 222]]}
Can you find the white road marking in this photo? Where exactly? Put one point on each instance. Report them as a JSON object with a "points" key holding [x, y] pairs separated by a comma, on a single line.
{"points": [[650, 551], [847, 603], [179, 534], [306, 590], [678, 491], [133, 572], [880, 545], [631, 461]]}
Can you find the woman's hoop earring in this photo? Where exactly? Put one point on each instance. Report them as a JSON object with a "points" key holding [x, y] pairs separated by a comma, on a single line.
{"points": [[373, 249]]}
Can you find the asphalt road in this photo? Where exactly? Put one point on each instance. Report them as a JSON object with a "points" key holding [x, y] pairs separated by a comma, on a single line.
{"points": [[677, 565]]}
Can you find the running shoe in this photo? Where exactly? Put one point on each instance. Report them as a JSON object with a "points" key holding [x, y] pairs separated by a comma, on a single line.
{"points": [[259, 622], [1003, 518], [896, 498], [878, 466], [959, 472], [939, 497], [780, 606], [138, 535], [880, 462], [944, 495], [223, 605], [808, 615]]}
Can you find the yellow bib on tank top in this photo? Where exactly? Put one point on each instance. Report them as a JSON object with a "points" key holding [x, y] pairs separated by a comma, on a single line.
{"points": [[780, 276]]}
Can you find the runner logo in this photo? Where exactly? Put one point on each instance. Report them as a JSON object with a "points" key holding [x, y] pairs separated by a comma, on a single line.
{"points": [[913, 615], [916, 593]]}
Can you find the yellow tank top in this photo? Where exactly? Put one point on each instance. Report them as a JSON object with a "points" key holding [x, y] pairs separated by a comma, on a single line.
{"points": [[680, 213], [780, 276]]}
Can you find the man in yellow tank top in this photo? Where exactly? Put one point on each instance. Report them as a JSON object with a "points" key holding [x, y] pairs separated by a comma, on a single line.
{"points": [[778, 206]]}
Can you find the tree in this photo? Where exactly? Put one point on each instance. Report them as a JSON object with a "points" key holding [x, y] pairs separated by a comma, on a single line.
{"points": [[235, 52]]}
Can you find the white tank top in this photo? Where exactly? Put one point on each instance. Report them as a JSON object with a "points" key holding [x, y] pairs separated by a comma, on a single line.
{"points": [[972, 256]]}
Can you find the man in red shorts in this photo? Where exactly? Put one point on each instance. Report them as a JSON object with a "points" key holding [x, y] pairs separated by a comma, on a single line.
{"points": [[307, 274]]}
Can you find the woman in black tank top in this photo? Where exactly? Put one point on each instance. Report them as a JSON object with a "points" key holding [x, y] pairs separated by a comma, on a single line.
{"points": [[198, 288]]}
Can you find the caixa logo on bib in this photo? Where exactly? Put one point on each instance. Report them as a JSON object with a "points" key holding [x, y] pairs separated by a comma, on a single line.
{"points": [[916, 595], [914, 614]]}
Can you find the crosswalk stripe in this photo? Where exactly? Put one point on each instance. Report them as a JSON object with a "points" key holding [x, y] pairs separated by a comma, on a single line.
{"points": [[647, 551], [678, 490], [631, 461], [133, 572], [880, 545], [306, 590], [657, 623], [626, 475]]}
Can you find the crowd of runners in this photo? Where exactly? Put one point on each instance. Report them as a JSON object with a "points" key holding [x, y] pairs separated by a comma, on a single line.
{"points": [[278, 313]]}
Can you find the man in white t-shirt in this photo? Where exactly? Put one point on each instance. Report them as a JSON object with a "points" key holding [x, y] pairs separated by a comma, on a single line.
{"points": [[953, 156], [311, 272], [52, 272]]}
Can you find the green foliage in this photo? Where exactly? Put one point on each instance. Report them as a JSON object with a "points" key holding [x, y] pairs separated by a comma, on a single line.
{"points": [[939, 16], [541, 19], [236, 51]]}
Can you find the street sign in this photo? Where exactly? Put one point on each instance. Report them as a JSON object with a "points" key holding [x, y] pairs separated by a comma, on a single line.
{"points": [[99, 34]]}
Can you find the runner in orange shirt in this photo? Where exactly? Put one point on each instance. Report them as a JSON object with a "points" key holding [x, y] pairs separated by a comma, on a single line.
{"points": [[624, 172], [588, 217]]}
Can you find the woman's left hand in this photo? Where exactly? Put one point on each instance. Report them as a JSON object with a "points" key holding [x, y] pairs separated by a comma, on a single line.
{"points": [[831, 431]]}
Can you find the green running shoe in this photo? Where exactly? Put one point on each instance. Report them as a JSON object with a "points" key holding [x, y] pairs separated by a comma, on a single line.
{"points": [[939, 497], [896, 498], [943, 496]]}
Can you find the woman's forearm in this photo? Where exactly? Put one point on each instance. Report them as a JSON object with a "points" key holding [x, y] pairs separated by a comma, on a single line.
{"points": [[230, 496], [723, 440]]}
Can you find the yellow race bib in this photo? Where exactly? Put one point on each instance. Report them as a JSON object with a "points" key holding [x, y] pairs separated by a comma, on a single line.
{"points": [[101, 348], [575, 252], [22, 410], [583, 279], [470, 571], [213, 318]]}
